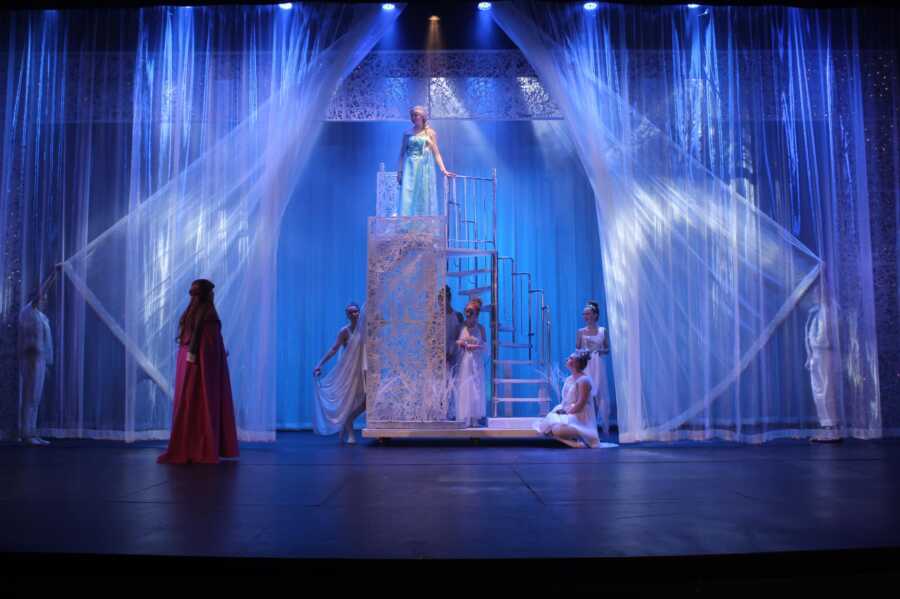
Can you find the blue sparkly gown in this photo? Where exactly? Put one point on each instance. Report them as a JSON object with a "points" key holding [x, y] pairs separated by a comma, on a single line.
{"points": [[418, 191]]}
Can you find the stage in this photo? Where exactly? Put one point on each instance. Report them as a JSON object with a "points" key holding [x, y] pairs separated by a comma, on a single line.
{"points": [[306, 497]]}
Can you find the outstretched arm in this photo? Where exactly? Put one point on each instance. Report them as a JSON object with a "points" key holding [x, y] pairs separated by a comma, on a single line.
{"points": [[341, 340], [432, 140]]}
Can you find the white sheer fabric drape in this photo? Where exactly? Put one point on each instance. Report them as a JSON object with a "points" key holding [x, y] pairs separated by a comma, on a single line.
{"points": [[219, 216], [701, 268]]}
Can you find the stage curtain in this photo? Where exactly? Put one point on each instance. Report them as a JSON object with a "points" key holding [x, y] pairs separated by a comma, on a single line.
{"points": [[221, 113], [726, 150]]}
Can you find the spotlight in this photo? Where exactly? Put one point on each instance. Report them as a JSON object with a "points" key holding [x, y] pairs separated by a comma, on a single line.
{"points": [[388, 6], [484, 6], [434, 18], [693, 6], [285, 6], [590, 6]]}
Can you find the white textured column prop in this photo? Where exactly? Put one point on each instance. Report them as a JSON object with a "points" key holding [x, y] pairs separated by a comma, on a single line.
{"points": [[406, 378]]}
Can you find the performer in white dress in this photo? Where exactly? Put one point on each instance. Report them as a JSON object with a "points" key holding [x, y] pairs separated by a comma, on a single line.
{"points": [[573, 421], [35, 350], [594, 339], [469, 391], [824, 366], [341, 394]]}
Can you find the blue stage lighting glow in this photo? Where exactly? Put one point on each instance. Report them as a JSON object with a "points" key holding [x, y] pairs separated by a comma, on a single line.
{"points": [[285, 6], [484, 6], [693, 6], [388, 6], [590, 6]]}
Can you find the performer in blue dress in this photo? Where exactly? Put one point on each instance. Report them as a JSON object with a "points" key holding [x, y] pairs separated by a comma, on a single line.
{"points": [[418, 154]]}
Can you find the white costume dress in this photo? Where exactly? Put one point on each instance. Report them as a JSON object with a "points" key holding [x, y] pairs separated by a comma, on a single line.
{"points": [[342, 392], [469, 388], [35, 349], [823, 365], [598, 345], [583, 421]]}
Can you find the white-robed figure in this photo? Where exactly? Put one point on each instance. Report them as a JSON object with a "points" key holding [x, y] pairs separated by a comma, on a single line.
{"points": [[341, 394], [35, 350], [574, 420], [823, 363], [594, 339], [469, 380]]}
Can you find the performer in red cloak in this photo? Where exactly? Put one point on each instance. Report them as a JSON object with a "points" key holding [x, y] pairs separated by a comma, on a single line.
{"points": [[203, 427]]}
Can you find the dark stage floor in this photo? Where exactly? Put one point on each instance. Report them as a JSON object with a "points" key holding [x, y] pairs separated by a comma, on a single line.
{"points": [[307, 497]]}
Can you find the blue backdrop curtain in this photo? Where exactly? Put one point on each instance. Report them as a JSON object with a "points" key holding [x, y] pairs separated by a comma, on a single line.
{"points": [[182, 172], [726, 149]]}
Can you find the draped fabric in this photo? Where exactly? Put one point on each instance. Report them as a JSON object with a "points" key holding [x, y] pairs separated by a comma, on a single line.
{"points": [[223, 109], [725, 149], [341, 392]]}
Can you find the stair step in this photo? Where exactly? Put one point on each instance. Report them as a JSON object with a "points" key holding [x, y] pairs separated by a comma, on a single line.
{"points": [[470, 252], [467, 273], [515, 345], [520, 381], [517, 362], [475, 291], [522, 399]]}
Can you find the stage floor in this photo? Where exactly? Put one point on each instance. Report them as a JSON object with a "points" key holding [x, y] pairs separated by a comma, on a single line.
{"points": [[308, 497]]}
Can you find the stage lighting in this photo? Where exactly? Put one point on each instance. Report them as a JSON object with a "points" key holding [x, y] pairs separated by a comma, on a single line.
{"points": [[388, 6], [484, 6], [590, 6], [434, 18], [286, 6], [693, 6]]}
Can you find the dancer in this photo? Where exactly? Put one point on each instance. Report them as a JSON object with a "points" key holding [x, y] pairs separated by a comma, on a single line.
{"points": [[573, 421], [341, 394], [470, 398], [203, 425], [418, 154], [594, 339], [823, 363], [35, 351]]}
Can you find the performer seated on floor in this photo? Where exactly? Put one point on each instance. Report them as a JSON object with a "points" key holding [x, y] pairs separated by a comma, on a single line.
{"points": [[469, 390], [574, 421], [341, 394], [203, 425]]}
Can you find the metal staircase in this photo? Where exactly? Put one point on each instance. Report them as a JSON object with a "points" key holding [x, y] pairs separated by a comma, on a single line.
{"points": [[520, 324]]}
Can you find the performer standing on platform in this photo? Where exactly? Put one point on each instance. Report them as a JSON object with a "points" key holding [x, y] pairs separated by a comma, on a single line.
{"points": [[203, 425], [35, 350], [415, 173], [470, 398], [341, 394], [573, 421], [594, 339]]}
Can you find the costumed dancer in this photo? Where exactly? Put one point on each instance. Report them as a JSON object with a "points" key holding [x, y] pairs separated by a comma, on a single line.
{"points": [[469, 389], [203, 423], [594, 339], [341, 394], [574, 420], [823, 363], [35, 351], [418, 154]]}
